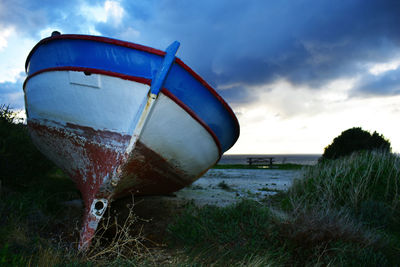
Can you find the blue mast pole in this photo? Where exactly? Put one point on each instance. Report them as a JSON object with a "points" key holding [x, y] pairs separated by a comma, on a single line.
{"points": [[169, 59]]}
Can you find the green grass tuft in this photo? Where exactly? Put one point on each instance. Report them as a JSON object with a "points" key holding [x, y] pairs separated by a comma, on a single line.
{"points": [[366, 183], [223, 185]]}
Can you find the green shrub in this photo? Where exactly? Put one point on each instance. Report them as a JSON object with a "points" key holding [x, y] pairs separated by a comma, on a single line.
{"points": [[32, 192], [355, 139], [19, 158]]}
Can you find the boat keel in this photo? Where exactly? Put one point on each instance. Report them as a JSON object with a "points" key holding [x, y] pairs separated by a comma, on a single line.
{"points": [[91, 220]]}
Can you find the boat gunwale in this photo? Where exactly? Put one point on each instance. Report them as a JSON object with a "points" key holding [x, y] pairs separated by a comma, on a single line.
{"points": [[140, 48], [146, 81]]}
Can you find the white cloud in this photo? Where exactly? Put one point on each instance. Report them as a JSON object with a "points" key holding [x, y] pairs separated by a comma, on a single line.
{"points": [[13, 57], [288, 101], [114, 11], [4, 35], [110, 12], [290, 119], [130, 34], [94, 13], [378, 69]]}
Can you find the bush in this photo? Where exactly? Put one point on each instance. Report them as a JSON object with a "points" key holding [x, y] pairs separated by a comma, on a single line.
{"points": [[355, 139], [19, 158]]}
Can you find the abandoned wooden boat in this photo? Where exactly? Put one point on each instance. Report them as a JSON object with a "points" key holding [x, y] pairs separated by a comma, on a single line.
{"points": [[119, 117]]}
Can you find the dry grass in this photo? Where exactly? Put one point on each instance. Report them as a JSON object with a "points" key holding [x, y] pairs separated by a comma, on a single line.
{"points": [[119, 240]]}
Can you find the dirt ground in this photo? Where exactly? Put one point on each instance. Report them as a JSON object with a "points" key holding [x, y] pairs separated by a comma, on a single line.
{"points": [[216, 187]]}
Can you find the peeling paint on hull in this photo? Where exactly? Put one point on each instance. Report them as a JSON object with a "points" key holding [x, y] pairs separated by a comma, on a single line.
{"points": [[83, 154], [91, 158], [147, 173]]}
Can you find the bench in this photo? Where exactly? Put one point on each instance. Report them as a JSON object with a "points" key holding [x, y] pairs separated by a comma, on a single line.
{"points": [[258, 160]]}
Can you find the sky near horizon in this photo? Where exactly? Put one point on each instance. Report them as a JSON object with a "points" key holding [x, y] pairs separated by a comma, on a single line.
{"points": [[296, 72]]}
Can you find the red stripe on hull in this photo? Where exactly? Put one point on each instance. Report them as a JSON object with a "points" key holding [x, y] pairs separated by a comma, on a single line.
{"points": [[165, 91], [209, 88], [91, 70]]}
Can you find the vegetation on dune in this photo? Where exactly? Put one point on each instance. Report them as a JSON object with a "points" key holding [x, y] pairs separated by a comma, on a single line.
{"points": [[32, 189], [343, 212], [355, 139], [353, 182], [363, 187], [228, 235], [19, 159]]}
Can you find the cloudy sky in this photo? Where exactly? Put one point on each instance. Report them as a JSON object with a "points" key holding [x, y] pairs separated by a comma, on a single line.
{"points": [[296, 72]]}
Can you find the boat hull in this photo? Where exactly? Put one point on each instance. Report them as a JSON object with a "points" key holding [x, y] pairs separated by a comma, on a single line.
{"points": [[111, 130]]}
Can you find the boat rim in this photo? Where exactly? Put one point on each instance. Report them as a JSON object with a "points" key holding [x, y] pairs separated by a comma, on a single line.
{"points": [[139, 47]]}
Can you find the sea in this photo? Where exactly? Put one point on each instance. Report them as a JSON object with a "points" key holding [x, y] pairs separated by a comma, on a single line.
{"points": [[303, 159]]}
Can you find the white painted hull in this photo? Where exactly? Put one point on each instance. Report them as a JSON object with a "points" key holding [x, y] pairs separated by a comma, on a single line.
{"points": [[114, 106]]}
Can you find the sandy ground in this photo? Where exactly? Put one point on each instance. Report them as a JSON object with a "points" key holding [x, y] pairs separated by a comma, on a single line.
{"points": [[225, 186], [219, 187]]}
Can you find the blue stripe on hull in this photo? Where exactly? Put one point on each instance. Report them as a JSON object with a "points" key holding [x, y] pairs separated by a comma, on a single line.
{"points": [[89, 54], [124, 60]]}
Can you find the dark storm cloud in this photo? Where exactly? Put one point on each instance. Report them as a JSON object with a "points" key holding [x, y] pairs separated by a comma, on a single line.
{"points": [[385, 84], [255, 42], [31, 16], [237, 95], [235, 44]]}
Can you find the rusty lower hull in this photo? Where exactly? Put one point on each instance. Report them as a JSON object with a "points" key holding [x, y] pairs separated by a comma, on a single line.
{"points": [[93, 158]]}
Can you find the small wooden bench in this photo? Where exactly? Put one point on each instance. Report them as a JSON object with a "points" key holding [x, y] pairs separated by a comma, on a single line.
{"points": [[258, 160]]}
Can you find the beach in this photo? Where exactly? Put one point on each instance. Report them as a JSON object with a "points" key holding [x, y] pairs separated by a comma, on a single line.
{"points": [[222, 187]]}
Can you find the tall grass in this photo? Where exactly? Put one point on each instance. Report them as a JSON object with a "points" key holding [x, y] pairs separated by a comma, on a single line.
{"points": [[343, 213], [33, 221], [228, 235], [367, 184]]}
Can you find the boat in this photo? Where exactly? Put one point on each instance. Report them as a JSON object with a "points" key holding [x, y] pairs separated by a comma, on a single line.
{"points": [[122, 118]]}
